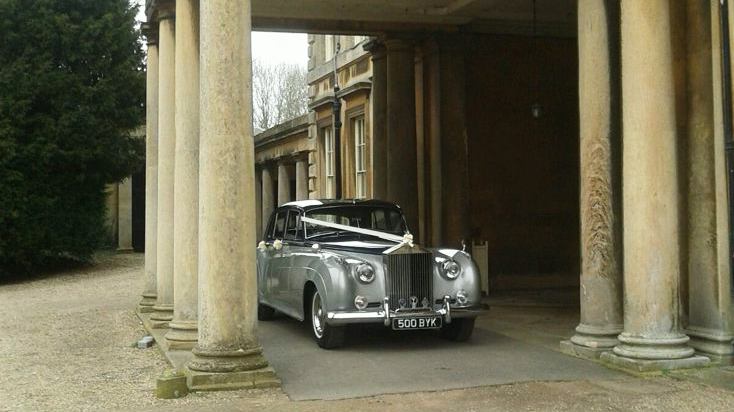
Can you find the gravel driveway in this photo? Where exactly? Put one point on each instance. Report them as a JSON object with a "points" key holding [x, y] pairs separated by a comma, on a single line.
{"points": [[67, 344]]}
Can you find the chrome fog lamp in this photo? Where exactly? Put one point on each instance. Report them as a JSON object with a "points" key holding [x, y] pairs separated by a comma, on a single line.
{"points": [[451, 269], [360, 302], [365, 273], [462, 297]]}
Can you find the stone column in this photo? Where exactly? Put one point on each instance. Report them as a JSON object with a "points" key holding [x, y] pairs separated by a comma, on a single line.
{"points": [[125, 215], [259, 202], [708, 263], [454, 146], [402, 173], [228, 353], [379, 121], [653, 338], [163, 309], [183, 331], [284, 184], [302, 179], [433, 58], [151, 174], [111, 213], [268, 196], [600, 151]]}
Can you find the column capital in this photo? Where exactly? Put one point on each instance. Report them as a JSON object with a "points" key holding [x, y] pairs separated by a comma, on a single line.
{"points": [[150, 31], [398, 45], [376, 48], [166, 9]]}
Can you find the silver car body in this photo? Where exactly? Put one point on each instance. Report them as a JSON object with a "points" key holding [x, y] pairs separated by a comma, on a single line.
{"points": [[287, 267]]}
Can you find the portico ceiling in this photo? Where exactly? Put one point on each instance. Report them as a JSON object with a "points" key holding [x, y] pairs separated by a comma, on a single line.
{"points": [[375, 16]]}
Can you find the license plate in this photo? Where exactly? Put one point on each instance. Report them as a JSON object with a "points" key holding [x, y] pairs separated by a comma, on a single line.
{"points": [[425, 322]]}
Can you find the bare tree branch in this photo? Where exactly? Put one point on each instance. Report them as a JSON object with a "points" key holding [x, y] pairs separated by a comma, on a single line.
{"points": [[280, 93]]}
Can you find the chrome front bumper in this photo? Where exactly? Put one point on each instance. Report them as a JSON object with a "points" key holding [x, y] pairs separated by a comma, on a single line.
{"points": [[385, 315]]}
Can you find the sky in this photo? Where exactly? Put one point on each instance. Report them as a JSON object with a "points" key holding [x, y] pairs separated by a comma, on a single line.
{"points": [[268, 48]]}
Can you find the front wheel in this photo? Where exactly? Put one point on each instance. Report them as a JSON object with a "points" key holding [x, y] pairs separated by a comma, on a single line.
{"points": [[327, 336], [459, 330]]}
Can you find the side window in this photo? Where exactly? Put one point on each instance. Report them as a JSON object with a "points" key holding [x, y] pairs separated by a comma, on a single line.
{"points": [[293, 226], [279, 225]]}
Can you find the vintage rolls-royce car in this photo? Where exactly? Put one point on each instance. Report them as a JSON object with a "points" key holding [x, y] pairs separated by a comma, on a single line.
{"points": [[338, 262]]}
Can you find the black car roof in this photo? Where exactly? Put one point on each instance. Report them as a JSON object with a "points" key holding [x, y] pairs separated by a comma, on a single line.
{"points": [[307, 205]]}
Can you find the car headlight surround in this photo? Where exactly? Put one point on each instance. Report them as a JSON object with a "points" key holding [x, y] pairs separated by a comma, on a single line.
{"points": [[451, 269], [365, 272]]}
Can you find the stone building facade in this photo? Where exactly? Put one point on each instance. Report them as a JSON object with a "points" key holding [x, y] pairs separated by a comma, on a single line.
{"points": [[282, 167], [296, 160], [589, 140], [354, 68]]}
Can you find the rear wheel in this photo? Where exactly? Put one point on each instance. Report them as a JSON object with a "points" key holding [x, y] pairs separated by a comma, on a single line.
{"points": [[327, 336], [459, 330], [265, 312]]}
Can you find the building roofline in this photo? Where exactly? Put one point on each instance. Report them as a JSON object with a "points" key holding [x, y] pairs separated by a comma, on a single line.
{"points": [[281, 131]]}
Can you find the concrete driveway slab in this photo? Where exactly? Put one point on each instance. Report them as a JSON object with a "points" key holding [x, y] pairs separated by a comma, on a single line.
{"points": [[376, 360]]}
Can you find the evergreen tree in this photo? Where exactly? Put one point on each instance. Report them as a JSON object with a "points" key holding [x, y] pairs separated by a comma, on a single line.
{"points": [[72, 87]]}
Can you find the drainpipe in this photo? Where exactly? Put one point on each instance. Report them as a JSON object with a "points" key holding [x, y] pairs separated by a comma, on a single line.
{"points": [[727, 118], [336, 108]]}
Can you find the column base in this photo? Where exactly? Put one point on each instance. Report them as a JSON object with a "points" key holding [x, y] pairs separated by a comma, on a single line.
{"points": [[220, 361], [161, 316], [580, 351], [591, 341], [182, 336], [212, 381], [146, 304], [712, 343], [653, 365], [648, 355]]}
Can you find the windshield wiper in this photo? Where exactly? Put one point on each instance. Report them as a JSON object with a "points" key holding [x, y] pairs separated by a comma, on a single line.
{"points": [[323, 234]]}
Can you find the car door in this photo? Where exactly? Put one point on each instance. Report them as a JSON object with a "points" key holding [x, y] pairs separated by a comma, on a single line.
{"points": [[293, 278], [278, 255], [264, 258]]}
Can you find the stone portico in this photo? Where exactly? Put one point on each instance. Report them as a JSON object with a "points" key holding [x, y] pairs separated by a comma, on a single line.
{"points": [[655, 276]]}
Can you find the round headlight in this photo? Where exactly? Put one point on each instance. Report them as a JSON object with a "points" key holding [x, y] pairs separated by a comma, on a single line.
{"points": [[451, 269], [462, 297], [365, 273], [360, 302]]}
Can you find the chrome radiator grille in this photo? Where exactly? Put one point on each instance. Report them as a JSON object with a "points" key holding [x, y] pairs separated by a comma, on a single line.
{"points": [[409, 275]]}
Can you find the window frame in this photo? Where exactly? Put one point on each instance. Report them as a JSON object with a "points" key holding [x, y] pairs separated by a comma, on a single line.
{"points": [[329, 142], [299, 232], [275, 225], [330, 42], [357, 133]]}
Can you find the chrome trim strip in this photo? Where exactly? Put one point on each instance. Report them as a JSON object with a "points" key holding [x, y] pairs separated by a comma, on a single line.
{"points": [[447, 308], [387, 311], [386, 316]]}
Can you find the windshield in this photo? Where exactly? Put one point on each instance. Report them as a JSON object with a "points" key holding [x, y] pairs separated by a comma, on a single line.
{"points": [[380, 218]]}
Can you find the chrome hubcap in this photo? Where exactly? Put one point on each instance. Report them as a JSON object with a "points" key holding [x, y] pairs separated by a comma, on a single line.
{"points": [[317, 316]]}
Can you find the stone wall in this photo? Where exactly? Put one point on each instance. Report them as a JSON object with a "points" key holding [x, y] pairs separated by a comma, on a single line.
{"points": [[524, 172]]}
